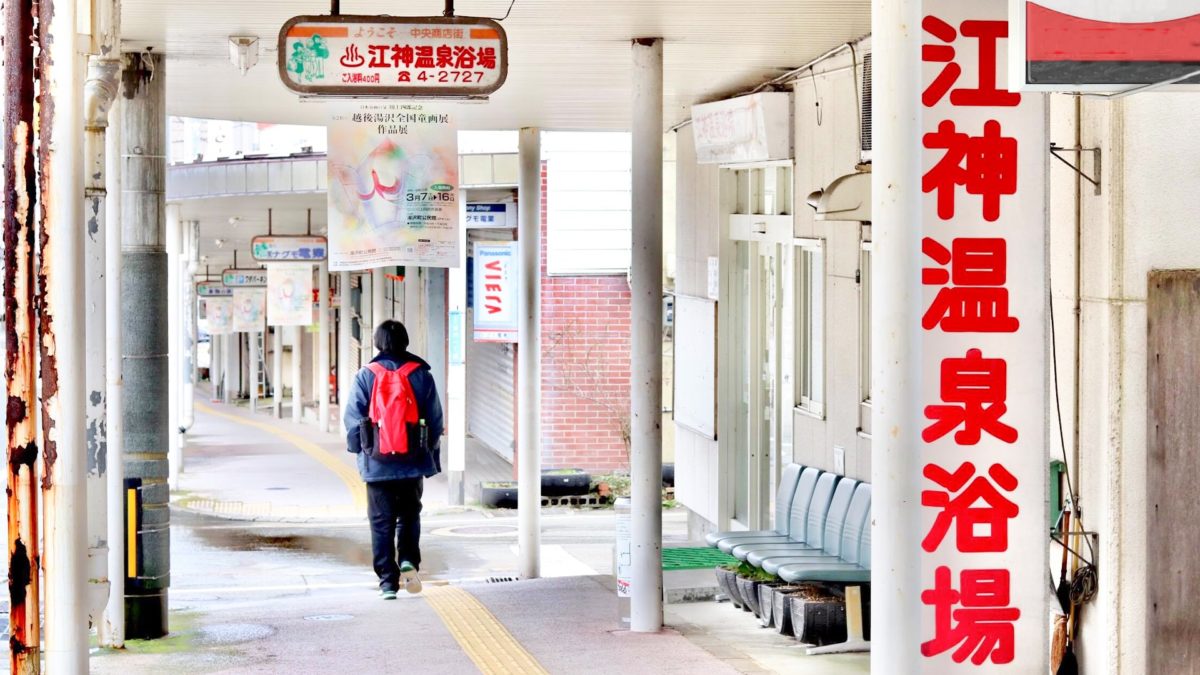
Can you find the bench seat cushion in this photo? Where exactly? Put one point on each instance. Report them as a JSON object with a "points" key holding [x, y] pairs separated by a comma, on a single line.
{"points": [[835, 572], [756, 555], [772, 563], [714, 538], [728, 543]]}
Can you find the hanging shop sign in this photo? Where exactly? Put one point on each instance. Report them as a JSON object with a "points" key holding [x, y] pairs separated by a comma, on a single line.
{"points": [[249, 308], [276, 248], [290, 294], [383, 56], [499, 214], [218, 315], [497, 277], [983, 434], [393, 188], [213, 289], [249, 278], [754, 128], [1073, 45]]}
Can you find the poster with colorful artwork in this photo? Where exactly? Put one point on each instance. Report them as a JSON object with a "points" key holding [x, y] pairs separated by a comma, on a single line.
{"points": [[249, 306], [218, 314], [289, 294], [393, 188]]}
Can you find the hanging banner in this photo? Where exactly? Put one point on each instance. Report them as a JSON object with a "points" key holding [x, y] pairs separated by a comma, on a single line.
{"points": [[342, 56], [1074, 45], [250, 278], [393, 188], [497, 276], [218, 314], [275, 248], [249, 307], [290, 294], [984, 438]]}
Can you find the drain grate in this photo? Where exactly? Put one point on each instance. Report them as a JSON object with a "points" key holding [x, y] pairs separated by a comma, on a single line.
{"points": [[501, 580]]}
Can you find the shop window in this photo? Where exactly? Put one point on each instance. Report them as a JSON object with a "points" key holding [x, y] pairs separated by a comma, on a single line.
{"points": [[810, 327]]}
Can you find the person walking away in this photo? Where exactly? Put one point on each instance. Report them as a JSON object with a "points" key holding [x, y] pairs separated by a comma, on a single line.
{"points": [[394, 426]]}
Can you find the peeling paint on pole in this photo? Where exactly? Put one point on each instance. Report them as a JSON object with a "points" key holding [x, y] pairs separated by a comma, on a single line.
{"points": [[19, 185]]}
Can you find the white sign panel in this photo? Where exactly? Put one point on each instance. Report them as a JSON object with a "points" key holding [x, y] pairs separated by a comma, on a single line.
{"points": [[393, 56], [1068, 45], [754, 128], [393, 188], [497, 277], [275, 248], [983, 435], [290, 294], [235, 278], [218, 315]]}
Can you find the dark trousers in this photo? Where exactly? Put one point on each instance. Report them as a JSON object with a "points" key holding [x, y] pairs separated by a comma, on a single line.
{"points": [[394, 509]]}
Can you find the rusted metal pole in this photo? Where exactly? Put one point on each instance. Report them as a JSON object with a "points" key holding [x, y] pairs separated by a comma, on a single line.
{"points": [[60, 329], [20, 340]]}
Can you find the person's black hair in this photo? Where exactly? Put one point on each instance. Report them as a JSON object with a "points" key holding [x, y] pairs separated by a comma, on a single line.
{"points": [[391, 337]]}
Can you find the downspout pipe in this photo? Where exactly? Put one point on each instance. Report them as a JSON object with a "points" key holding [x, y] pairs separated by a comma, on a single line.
{"points": [[99, 92]]}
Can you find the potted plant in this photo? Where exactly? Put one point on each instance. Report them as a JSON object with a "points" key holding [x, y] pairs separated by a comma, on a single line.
{"points": [[818, 618], [727, 581], [499, 494], [749, 579]]}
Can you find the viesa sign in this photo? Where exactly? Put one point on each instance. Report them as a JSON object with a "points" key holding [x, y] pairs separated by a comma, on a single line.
{"points": [[496, 287]]}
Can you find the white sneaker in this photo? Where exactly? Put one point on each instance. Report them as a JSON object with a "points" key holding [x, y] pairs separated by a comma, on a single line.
{"points": [[408, 574]]}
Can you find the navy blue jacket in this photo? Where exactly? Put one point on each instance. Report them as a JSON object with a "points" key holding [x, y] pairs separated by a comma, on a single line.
{"points": [[428, 405]]}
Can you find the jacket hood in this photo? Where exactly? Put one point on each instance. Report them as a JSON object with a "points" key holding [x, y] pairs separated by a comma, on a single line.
{"points": [[397, 361]]}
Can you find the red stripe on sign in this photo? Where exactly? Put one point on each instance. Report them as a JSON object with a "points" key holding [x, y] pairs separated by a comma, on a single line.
{"points": [[485, 34], [323, 31], [1054, 36]]}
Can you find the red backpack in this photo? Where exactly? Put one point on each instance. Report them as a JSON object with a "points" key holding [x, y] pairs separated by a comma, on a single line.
{"points": [[393, 411]]}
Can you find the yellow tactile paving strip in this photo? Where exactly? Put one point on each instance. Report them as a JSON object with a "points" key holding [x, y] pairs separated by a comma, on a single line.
{"points": [[348, 475], [489, 644]]}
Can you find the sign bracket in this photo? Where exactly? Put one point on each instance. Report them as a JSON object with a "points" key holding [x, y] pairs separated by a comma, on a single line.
{"points": [[1055, 150]]}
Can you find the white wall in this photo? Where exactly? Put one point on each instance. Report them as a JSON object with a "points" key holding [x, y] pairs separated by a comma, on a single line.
{"points": [[588, 208], [827, 146], [1144, 220]]}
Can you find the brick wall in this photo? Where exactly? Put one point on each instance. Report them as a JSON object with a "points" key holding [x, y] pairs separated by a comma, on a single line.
{"points": [[585, 368]]}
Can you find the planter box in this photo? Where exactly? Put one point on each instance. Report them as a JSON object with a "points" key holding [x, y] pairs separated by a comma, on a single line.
{"points": [[727, 581], [766, 604], [818, 622], [749, 591], [572, 483]]}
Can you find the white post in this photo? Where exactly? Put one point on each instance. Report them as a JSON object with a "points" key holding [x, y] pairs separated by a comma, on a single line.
{"points": [[61, 335], [277, 370], [191, 327], [456, 380], [112, 629], [174, 341], [346, 373], [323, 345], [368, 322], [254, 356], [379, 309], [297, 384], [895, 343], [216, 364], [529, 356], [229, 365], [646, 338]]}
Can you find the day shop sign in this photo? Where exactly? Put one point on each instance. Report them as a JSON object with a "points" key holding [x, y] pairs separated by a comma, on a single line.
{"points": [[496, 278], [393, 56], [983, 547]]}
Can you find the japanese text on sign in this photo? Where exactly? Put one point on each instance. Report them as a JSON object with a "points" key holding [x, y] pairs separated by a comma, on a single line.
{"points": [[271, 248], [982, 432], [375, 55], [244, 278], [496, 277]]}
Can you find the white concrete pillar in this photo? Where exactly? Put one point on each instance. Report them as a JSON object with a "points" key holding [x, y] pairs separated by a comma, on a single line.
{"points": [[254, 356], [277, 370], [61, 336], [187, 411], [529, 356], [456, 380], [345, 369], [174, 340], [895, 339], [367, 332], [215, 363], [379, 309], [323, 345], [230, 373], [297, 376], [646, 338]]}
